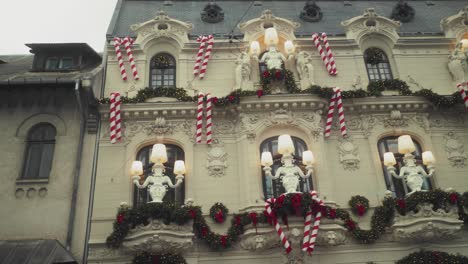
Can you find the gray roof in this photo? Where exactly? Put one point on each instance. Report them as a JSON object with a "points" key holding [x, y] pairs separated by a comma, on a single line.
{"points": [[426, 20], [34, 252], [15, 65]]}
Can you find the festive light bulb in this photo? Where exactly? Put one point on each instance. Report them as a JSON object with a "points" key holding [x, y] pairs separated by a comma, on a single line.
{"points": [[405, 144], [137, 168], [464, 43], [271, 37], [285, 144], [179, 167], [255, 48], [159, 154], [266, 159], [389, 159], [289, 47], [308, 157], [428, 158]]}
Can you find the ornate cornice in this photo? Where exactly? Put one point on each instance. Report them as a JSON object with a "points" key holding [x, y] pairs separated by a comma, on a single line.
{"points": [[255, 28], [454, 26]]}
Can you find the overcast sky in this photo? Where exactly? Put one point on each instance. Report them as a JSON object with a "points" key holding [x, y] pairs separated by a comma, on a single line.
{"points": [[36, 21]]}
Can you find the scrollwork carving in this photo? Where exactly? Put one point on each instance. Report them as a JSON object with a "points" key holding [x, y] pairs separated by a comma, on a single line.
{"points": [[217, 160], [455, 150], [349, 156]]}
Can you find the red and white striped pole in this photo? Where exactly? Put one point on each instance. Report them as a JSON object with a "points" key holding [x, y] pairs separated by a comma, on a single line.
{"points": [[331, 65], [307, 224], [207, 56], [202, 40], [114, 114], [331, 110], [315, 228], [208, 119], [335, 102], [278, 228], [127, 42], [201, 97], [341, 116], [118, 53], [316, 39], [462, 87]]}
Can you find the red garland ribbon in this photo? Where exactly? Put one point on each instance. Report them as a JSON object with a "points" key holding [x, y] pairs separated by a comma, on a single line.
{"points": [[237, 220], [192, 213], [266, 74], [401, 203], [296, 202], [361, 209], [259, 93], [332, 213], [268, 217], [204, 231], [214, 99], [231, 98], [278, 75], [219, 217], [254, 219], [350, 224], [453, 198], [120, 218], [224, 240]]}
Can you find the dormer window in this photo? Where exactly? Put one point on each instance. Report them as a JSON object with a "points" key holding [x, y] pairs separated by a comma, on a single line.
{"points": [[58, 63]]}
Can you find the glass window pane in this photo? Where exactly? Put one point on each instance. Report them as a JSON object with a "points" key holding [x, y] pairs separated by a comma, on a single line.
{"points": [[51, 63], [65, 63]]}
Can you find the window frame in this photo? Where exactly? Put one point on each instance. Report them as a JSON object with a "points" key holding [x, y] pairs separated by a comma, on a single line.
{"points": [[43, 145], [379, 67], [141, 196], [153, 76], [398, 187], [276, 185], [58, 64]]}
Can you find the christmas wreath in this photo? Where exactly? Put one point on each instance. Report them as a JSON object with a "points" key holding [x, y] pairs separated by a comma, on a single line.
{"points": [[374, 56], [402, 12], [218, 212], [432, 257], [359, 205]]}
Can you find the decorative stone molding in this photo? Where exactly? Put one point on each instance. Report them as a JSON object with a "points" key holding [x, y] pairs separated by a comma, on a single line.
{"points": [[456, 25], [162, 26], [102, 253], [159, 128], [217, 160], [311, 12], [455, 150], [254, 28], [444, 120], [212, 13], [159, 238], [427, 225], [349, 156], [371, 23], [395, 120]]}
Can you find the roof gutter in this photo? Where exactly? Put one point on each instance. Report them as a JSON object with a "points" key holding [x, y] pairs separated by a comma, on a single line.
{"points": [[35, 81], [71, 218]]}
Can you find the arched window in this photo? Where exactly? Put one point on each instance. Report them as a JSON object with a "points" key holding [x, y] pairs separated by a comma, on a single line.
{"points": [[141, 196], [274, 188], [397, 186], [162, 71], [377, 64], [40, 145]]}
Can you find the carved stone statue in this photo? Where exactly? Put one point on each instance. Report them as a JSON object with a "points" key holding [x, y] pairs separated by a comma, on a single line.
{"points": [[273, 59], [413, 174], [458, 65], [243, 70], [304, 68]]}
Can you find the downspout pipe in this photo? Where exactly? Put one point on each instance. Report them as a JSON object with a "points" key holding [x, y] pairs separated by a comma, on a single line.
{"points": [[79, 153]]}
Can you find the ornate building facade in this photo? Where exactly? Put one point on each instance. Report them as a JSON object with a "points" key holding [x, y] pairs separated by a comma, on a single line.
{"points": [[397, 65]]}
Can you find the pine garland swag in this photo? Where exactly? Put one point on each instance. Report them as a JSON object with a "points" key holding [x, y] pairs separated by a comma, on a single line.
{"points": [[290, 204], [432, 257]]}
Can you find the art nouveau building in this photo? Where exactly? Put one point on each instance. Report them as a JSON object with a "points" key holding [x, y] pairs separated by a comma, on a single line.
{"points": [[425, 51]]}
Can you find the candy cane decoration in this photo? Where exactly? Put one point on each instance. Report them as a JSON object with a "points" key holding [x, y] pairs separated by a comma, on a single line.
{"points": [[278, 228], [127, 42], [461, 87], [208, 119], [328, 59], [202, 40], [199, 118], [331, 65], [118, 53], [315, 228], [207, 57], [335, 102], [307, 223], [115, 130]]}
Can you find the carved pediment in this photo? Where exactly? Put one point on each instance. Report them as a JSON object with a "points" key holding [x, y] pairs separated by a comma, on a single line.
{"points": [[455, 26], [370, 23], [162, 26], [255, 28]]}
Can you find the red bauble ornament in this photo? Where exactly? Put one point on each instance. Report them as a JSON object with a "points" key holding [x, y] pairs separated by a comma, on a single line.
{"points": [[259, 93], [204, 231], [219, 216], [223, 240], [453, 198], [237, 220], [120, 218], [231, 98], [214, 100], [279, 201], [266, 74], [254, 219], [296, 201], [278, 75]]}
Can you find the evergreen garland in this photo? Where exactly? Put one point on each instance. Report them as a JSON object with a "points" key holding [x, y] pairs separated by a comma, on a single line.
{"points": [[269, 76], [432, 257], [285, 205], [375, 88]]}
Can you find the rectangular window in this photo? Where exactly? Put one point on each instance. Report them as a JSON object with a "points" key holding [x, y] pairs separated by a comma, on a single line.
{"points": [[65, 63], [51, 63]]}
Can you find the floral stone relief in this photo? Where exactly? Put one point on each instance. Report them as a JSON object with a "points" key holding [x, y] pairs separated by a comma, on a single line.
{"points": [[455, 150]]}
